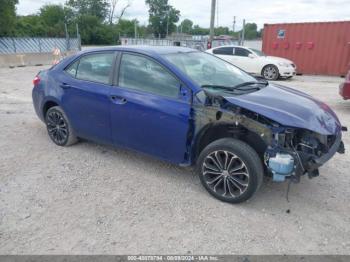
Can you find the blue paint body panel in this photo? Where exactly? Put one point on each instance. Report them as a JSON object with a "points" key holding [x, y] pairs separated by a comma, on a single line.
{"points": [[152, 124], [158, 125], [290, 107]]}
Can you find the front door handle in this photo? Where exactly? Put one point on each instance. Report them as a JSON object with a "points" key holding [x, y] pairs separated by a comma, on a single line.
{"points": [[118, 100], [65, 86]]}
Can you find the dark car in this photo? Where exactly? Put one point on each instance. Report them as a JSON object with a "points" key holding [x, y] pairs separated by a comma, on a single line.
{"points": [[188, 108], [344, 88]]}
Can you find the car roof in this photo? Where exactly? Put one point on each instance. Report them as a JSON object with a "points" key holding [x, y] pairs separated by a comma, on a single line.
{"points": [[245, 47], [159, 50]]}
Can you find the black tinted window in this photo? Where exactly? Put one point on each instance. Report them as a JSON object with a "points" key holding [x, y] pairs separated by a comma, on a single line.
{"points": [[223, 51], [141, 73], [241, 52], [94, 67]]}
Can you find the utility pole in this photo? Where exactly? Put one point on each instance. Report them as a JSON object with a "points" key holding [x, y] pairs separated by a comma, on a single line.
{"points": [[135, 28], [78, 35], [167, 25], [212, 20], [243, 33], [67, 36], [234, 24]]}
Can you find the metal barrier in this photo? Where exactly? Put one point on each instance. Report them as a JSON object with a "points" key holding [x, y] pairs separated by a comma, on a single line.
{"points": [[22, 45], [196, 44]]}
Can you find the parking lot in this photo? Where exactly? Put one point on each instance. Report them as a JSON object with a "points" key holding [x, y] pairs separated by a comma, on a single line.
{"points": [[94, 199]]}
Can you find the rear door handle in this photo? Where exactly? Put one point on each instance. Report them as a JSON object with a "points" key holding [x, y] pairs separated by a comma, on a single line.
{"points": [[118, 100], [65, 86]]}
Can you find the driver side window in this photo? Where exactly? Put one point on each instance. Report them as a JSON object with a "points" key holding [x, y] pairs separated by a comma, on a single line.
{"points": [[241, 52], [141, 73]]}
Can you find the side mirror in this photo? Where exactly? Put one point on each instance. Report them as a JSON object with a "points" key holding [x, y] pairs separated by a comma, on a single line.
{"points": [[251, 56]]}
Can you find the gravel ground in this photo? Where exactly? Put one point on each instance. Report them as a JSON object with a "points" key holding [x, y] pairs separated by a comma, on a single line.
{"points": [[94, 199]]}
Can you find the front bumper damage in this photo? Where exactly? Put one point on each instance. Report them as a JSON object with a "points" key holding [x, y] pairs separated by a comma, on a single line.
{"points": [[305, 155], [288, 152]]}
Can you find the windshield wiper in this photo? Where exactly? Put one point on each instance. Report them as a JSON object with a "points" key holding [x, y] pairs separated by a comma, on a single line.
{"points": [[249, 84], [229, 88], [239, 86]]}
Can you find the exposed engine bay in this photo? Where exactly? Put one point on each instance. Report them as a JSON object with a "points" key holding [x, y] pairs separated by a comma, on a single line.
{"points": [[287, 152], [296, 152]]}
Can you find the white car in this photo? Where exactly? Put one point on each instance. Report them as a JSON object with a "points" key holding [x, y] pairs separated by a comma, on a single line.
{"points": [[256, 62]]}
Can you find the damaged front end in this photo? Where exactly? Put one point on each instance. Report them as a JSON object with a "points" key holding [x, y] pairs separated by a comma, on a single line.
{"points": [[296, 152], [288, 152]]}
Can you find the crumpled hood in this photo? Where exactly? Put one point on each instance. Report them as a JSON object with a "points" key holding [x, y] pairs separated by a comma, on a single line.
{"points": [[291, 108]]}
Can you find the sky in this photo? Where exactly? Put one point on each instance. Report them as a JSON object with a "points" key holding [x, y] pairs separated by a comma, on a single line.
{"points": [[258, 11]]}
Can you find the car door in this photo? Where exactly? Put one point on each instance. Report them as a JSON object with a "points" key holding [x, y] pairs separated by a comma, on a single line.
{"points": [[86, 99], [150, 109], [244, 61], [225, 53]]}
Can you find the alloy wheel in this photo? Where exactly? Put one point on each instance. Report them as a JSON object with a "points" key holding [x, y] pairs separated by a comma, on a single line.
{"points": [[225, 174], [270, 73], [57, 127]]}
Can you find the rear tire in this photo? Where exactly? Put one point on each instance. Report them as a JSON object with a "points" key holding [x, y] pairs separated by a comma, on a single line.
{"points": [[59, 128], [270, 72], [230, 170]]}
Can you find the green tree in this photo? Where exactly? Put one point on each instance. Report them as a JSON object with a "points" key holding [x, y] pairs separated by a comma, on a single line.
{"points": [[162, 17], [7, 17], [222, 30], [197, 30], [90, 16], [251, 31], [186, 26], [97, 8], [126, 28], [54, 17], [30, 25]]}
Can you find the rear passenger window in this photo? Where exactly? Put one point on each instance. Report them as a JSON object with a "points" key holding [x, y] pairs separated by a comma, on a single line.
{"points": [[72, 69], [94, 67], [223, 51]]}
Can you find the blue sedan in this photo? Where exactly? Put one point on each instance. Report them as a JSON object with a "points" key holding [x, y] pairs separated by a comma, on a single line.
{"points": [[189, 108]]}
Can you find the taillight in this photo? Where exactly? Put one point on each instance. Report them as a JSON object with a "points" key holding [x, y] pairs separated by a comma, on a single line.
{"points": [[209, 45], [36, 80]]}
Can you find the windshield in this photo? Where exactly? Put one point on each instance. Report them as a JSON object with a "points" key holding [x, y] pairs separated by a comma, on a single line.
{"points": [[258, 52], [209, 71]]}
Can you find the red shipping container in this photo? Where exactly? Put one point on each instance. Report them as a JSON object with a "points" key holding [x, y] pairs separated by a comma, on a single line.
{"points": [[316, 48]]}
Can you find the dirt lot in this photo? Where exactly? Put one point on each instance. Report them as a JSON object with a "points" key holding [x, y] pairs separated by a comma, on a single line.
{"points": [[95, 199]]}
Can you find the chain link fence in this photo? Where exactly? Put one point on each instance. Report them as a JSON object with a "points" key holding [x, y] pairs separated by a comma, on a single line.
{"points": [[23, 45]]}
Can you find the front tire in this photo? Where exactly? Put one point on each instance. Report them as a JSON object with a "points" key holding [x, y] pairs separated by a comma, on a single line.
{"points": [[230, 170], [270, 72], [59, 128]]}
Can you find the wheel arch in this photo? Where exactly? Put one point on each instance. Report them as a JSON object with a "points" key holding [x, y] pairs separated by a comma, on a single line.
{"points": [[47, 104], [212, 132]]}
